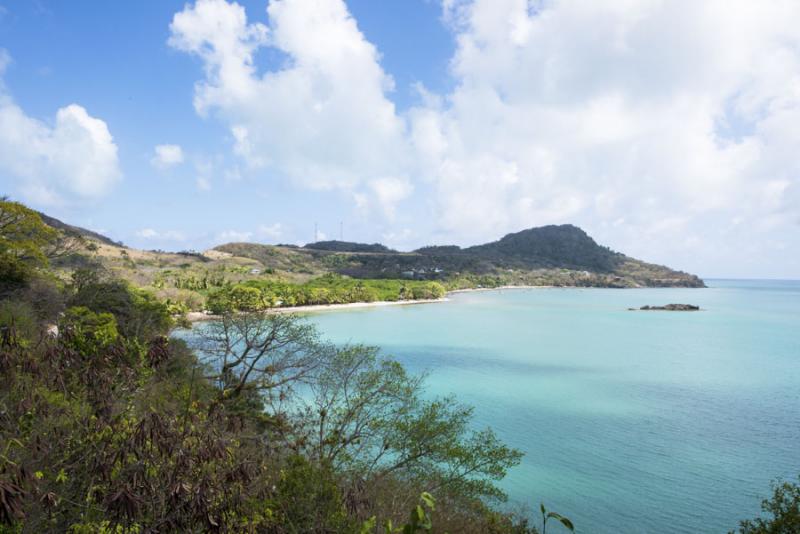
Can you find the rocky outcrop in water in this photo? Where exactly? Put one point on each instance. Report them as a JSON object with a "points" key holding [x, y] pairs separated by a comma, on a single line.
{"points": [[668, 307]]}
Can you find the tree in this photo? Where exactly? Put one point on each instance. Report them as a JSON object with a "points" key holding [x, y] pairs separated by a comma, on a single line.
{"points": [[367, 416], [23, 240], [351, 409], [429, 290], [139, 314], [88, 331], [23, 235], [262, 352], [783, 511]]}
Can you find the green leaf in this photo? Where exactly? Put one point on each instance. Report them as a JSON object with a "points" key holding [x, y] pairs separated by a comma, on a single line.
{"points": [[368, 525], [428, 499], [420, 514], [563, 520], [61, 477]]}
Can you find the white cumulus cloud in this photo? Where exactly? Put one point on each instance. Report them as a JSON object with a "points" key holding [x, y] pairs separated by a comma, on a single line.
{"points": [[272, 231], [323, 119], [233, 236], [156, 235], [673, 117], [74, 158], [666, 129]]}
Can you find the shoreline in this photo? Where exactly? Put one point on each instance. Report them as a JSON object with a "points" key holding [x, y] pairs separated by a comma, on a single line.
{"points": [[193, 317]]}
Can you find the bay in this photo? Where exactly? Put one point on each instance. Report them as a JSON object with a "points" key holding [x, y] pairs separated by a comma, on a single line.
{"points": [[630, 421]]}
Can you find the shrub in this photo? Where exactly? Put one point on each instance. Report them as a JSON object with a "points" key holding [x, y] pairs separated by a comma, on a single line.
{"points": [[88, 331]]}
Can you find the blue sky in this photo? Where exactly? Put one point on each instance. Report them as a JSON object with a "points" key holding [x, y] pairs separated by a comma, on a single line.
{"points": [[654, 126], [117, 63]]}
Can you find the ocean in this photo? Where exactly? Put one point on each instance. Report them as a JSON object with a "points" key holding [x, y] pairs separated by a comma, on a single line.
{"points": [[630, 421]]}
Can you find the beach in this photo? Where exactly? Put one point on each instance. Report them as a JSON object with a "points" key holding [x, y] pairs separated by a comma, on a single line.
{"points": [[202, 316]]}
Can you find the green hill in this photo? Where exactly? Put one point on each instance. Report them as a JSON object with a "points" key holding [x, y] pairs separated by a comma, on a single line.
{"points": [[564, 246], [550, 255], [547, 256], [347, 246]]}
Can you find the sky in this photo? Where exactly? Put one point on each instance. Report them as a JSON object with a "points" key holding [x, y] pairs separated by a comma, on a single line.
{"points": [[667, 129]]}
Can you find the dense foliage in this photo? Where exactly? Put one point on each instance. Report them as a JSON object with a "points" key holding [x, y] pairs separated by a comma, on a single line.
{"points": [[782, 512], [564, 246], [109, 425], [552, 255], [258, 295], [549, 256], [24, 239]]}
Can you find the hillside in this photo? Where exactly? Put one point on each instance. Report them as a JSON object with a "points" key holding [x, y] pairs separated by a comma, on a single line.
{"points": [[564, 246], [113, 421], [551, 255], [347, 246], [76, 230]]}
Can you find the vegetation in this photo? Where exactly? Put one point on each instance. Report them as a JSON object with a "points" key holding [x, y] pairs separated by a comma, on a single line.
{"points": [[256, 295], [346, 246], [562, 256], [782, 512], [109, 425]]}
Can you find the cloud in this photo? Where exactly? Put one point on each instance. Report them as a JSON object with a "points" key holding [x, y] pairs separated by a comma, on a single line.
{"points": [[389, 192], [400, 239], [663, 128], [155, 235], [322, 119], [232, 236], [598, 112], [273, 231], [74, 159], [205, 168], [166, 156]]}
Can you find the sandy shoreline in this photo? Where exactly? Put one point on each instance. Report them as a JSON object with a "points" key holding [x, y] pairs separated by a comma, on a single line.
{"points": [[202, 316]]}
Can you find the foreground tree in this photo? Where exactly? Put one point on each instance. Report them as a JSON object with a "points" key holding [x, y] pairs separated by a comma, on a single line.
{"points": [[367, 416], [108, 425], [782, 512], [269, 354], [24, 239], [350, 410]]}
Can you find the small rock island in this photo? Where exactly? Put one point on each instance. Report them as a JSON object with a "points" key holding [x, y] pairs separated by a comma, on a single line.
{"points": [[668, 307]]}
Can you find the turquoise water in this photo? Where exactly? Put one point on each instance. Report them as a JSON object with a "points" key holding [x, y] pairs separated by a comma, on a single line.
{"points": [[648, 422]]}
